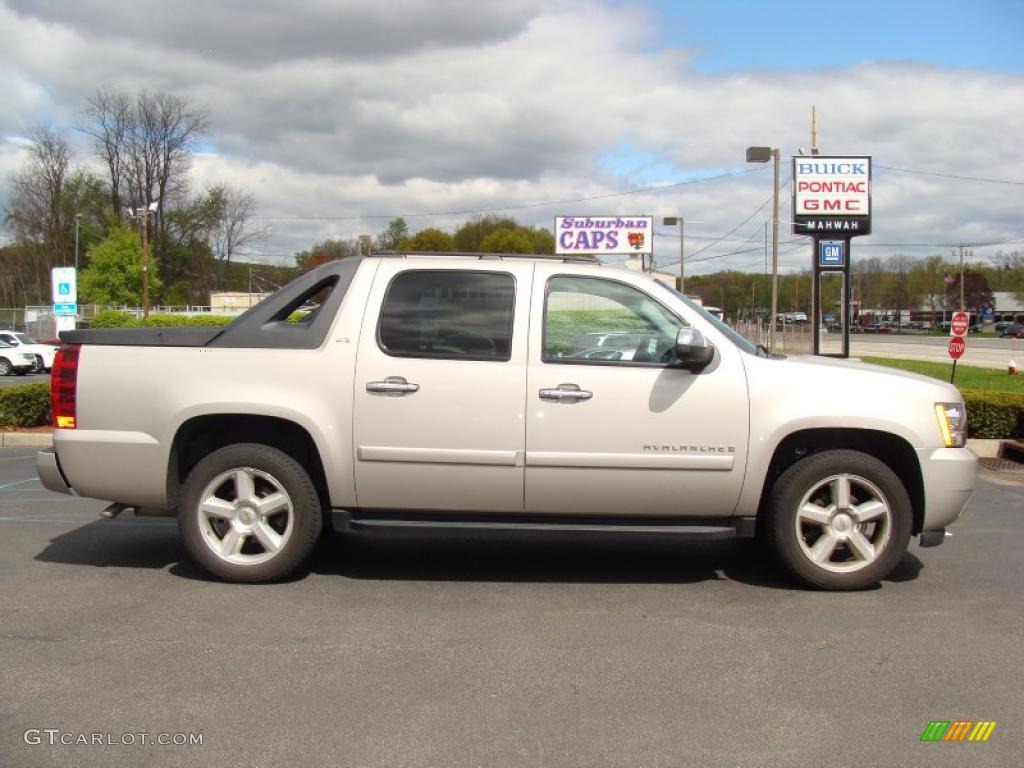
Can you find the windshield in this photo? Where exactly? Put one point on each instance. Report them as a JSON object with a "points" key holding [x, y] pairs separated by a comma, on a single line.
{"points": [[734, 337], [25, 339]]}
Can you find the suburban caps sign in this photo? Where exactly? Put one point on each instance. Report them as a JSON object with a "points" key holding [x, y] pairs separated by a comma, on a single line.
{"points": [[832, 194], [604, 234]]}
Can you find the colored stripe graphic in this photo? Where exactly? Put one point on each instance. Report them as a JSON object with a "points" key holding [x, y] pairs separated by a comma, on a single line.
{"points": [[982, 730], [958, 730]]}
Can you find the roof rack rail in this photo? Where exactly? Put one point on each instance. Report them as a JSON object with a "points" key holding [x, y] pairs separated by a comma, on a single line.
{"points": [[587, 259]]}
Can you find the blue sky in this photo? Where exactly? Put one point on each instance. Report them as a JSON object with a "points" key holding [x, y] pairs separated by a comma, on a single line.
{"points": [[731, 35]]}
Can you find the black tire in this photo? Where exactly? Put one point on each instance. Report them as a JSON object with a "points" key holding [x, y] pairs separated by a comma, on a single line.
{"points": [[229, 543], [37, 366], [5, 367], [834, 538]]}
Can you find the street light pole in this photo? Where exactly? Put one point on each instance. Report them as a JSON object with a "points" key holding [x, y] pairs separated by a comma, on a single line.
{"points": [[763, 155], [143, 214], [145, 264], [671, 221]]}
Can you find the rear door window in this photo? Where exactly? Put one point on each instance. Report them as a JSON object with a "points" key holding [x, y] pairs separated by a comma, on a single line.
{"points": [[448, 314]]}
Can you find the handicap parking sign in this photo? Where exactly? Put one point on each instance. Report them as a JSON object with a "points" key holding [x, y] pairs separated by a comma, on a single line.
{"points": [[64, 289], [831, 253]]}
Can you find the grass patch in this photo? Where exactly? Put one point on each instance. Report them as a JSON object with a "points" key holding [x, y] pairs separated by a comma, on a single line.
{"points": [[967, 376]]}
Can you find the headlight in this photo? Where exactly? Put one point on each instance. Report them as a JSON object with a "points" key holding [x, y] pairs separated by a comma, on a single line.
{"points": [[952, 423]]}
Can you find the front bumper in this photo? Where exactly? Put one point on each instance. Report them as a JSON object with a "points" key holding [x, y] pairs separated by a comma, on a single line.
{"points": [[949, 476], [49, 471]]}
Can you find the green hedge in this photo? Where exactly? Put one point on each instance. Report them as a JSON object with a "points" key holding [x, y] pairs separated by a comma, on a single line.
{"points": [[997, 415], [112, 318], [25, 405]]}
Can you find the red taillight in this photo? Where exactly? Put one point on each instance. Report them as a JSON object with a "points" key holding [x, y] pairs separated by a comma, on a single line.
{"points": [[63, 386]]}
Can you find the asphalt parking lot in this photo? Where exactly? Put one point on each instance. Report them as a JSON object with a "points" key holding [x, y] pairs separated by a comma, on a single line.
{"points": [[487, 650]]}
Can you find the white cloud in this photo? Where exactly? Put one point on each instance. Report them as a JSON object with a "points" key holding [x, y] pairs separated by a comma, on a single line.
{"points": [[439, 107]]}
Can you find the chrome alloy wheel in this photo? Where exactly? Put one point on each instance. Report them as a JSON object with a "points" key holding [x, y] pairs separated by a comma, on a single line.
{"points": [[245, 516], [843, 523]]}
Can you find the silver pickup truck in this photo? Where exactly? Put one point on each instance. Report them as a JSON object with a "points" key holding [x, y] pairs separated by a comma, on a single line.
{"points": [[457, 390]]}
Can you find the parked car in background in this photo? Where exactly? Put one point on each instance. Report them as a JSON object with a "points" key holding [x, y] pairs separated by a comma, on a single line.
{"points": [[876, 328], [14, 360], [42, 354], [1012, 331]]}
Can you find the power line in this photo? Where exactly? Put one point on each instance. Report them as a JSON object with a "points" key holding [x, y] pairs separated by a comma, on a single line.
{"points": [[950, 175]]}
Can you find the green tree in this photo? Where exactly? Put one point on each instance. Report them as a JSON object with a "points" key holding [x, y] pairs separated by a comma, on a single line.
{"points": [[321, 253], [508, 240], [470, 236], [114, 274], [543, 240], [429, 240], [395, 232]]}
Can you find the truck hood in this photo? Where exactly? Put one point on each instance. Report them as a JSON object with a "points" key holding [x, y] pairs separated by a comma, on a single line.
{"points": [[868, 383], [852, 369]]}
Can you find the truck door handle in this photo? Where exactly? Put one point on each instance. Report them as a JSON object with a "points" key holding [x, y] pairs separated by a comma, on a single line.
{"points": [[392, 385], [567, 392]]}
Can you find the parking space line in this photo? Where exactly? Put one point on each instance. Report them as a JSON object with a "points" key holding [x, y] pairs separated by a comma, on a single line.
{"points": [[28, 457], [120, 524], [46, 500], [19, 482]]}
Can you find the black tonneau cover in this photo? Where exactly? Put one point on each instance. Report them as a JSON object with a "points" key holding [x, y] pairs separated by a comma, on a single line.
{"points": [[264, 326], [143, 337]]}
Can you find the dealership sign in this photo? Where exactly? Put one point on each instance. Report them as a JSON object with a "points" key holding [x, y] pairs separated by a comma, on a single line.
{"points": [[604, 234], [832, 195]]}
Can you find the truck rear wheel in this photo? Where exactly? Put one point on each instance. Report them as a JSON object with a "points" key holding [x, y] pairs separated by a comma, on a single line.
{"points": [[839, 520], [249, 513]]}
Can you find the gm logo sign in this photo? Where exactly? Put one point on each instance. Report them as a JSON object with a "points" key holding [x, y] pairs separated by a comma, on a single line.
{"points": [[831, 253]]}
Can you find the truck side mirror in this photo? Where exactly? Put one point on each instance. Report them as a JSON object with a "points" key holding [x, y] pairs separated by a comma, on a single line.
{"points": [[692, 349]]}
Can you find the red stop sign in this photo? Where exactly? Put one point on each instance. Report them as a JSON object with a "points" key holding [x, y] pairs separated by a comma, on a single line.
{"points": [[957, 346], [960, 323]]}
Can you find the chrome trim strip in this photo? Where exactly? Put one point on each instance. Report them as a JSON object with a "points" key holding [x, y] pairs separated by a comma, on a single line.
{"points": [[628, 460], [438, 456]]}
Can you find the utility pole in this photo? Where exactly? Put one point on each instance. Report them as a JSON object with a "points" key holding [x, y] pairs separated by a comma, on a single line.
{"points": [[814, 130], [962, 308], [775, 251]]}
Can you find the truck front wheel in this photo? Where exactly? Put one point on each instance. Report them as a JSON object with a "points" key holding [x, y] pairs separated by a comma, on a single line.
{"points": [[249, 513], [839, 520]]}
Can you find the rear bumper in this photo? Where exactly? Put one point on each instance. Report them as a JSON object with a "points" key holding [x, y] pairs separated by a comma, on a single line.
{"points": [[949, 476], [49, 471]]}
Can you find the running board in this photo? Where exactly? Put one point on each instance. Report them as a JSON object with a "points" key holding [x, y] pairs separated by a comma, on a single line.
{"points": [[345, 520]]}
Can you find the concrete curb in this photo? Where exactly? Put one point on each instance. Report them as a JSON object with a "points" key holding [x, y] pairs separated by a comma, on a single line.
{"points": [[26, 440], [984, 449]]}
